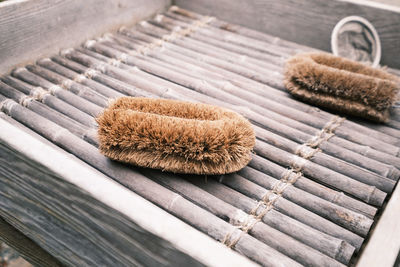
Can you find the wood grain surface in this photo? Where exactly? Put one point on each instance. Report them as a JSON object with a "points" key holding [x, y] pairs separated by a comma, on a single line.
{"points": [[32, 29], [25, 246]]}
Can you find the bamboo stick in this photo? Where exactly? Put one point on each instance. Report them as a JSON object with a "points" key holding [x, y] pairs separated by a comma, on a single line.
{"points": [[178, 98], [359, 174], [205, 48], [152, 191], [307, 108], [265, 79], [80, 103], [180, 17], [76, 128], [277, 240], [49, 100], [198, 85], [375, 143], [369, 194], [378, 127], [268, 167], [350, 220], [76, 88], [331, 246], [377, 196], [231, 37], [291, 209], [240, 30], [100, 78], [361, 225], [372, 165], [75, 76], [138, 37]]}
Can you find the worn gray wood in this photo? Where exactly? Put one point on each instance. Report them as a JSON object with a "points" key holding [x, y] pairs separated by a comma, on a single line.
{"points": [[28, 249], [64, 211], [32, 29], [384, 245], [308, 22]]}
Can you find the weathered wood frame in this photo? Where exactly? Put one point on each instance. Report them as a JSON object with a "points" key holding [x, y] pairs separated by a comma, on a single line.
{"points": [[384, 245], [155, 229], [307, 22], [33, 29]]}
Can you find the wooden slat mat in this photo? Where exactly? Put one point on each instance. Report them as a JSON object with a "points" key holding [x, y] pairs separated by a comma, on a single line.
{"points": [[316, 182]]}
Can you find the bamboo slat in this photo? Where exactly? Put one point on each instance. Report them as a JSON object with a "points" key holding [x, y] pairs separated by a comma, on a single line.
{"points": [[323, 224], [309, 195], [216, 34], [377, 200], [170, 201]]}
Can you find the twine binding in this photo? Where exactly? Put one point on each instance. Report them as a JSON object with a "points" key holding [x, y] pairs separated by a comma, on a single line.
{"points": [[232, 238], [311, 147], [67, 84], [177, 33], [79, 78], [7, 105]]}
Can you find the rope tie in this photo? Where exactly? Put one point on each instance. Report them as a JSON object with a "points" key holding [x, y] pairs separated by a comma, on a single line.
{"points": [[114, 62], [90, 73], [243, 222], [297, 163], [7, 105], [322, 136], [101, 67], [53, 89], [279, 187], [176, 33], [265, 204], [122, 57], [67, 84], [231, 239], [79, 78], [305, 151], [38, 93], [333, 124], [25, 100]]}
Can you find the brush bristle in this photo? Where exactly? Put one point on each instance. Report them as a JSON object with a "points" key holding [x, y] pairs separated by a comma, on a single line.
{"points": [[175, 136], [342, 85]]}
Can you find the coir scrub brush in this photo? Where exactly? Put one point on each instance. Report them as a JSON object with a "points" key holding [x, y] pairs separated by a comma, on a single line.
{"points": [[343, 85], [175, 136]]}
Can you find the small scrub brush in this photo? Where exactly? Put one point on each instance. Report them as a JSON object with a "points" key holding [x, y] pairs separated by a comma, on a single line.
{"points": [[175, 136], [342, 85]]}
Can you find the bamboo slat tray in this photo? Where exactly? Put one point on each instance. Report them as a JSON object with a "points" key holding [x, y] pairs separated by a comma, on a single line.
{"points": [[310, 196]]}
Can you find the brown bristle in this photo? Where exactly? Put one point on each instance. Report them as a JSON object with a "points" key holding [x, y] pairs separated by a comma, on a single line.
{"points": [[175, 136], [343, 85]]}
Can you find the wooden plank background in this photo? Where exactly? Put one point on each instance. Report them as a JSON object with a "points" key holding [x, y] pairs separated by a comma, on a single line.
{"points": [[308, 22], [33, 29]]}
